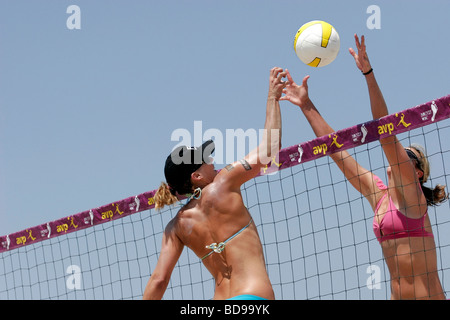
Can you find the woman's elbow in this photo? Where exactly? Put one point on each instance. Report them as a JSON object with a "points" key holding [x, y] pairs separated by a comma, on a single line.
{"points": [[155, 288]]}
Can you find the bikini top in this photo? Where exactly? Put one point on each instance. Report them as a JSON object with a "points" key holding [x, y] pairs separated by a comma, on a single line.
{"points": [[395, 224], [218, 248]]}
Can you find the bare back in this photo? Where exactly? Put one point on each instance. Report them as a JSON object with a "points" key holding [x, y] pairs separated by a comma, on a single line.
{"points": [[215, 217], [219, 213]]}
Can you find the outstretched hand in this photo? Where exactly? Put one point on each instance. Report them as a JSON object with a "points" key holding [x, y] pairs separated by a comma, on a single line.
{"points": [[361, 58], [276, 84], [294, 93]]}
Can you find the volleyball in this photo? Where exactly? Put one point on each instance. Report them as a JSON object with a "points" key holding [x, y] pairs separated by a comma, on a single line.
{"points": [[317, 43]]}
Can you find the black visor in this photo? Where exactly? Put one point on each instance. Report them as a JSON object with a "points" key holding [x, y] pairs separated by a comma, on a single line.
{"points": [[184, 160]]}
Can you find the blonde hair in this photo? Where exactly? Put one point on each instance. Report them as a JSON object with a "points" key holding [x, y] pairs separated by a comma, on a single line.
{"points": [[436, 195], [164, 196]]}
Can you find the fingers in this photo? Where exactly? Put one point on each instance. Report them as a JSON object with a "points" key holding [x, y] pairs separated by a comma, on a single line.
{"points": [[361, 55], [276, 83], [352, 52], [276, 75], [289, 77], [361, 46], [281, 75], [358, 44], [305, 81], [275, 71]]}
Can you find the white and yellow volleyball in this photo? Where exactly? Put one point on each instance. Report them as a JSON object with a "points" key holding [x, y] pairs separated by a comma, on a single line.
{"points": [[317, 43]]}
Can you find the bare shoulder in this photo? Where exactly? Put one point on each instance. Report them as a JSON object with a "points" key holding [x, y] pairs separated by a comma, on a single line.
{"points": [[183, 215], [220, 193], [237, 173]]}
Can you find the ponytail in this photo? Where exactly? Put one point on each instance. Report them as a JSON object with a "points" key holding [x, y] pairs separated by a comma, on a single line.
{"points": [[435, 196], [164, 196]]}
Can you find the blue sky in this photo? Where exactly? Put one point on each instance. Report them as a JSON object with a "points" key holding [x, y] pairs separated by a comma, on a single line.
{"points": [[86, 116]]}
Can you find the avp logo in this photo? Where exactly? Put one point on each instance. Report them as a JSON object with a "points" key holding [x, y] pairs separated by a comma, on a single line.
{"points": [[402, 121], [109, 214], [23, 239], [389, 127], [320, 149], [338, 145], [323, 148], [64, 227]]}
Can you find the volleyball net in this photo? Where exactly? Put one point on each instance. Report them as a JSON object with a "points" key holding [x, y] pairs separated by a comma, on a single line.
{"points": [[316, 230]]}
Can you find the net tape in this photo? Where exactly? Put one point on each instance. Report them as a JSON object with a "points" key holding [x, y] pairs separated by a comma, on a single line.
{"points": [[393, 124]]}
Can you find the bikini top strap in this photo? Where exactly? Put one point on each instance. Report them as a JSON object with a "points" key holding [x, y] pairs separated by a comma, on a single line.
{"points": [[381, 186], [219, 247]]}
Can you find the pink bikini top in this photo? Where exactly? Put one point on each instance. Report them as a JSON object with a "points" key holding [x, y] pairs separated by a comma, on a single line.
{"points": [[395, 224]]}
